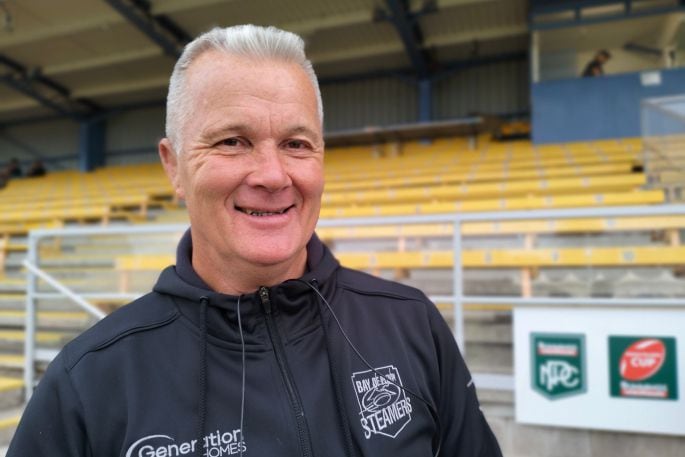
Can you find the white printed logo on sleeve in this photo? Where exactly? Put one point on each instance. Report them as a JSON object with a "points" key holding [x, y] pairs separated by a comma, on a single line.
{"points": [[384, 407]]}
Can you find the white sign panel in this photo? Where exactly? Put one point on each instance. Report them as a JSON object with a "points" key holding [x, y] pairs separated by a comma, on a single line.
{"points": [[650, 78], [609, 369]]}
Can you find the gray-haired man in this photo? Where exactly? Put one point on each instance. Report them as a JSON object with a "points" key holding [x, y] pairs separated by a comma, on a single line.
{"points": [[257, 342]]}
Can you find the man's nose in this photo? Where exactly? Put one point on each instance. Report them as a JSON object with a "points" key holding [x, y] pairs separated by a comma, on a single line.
{"points": [[270, 170]]}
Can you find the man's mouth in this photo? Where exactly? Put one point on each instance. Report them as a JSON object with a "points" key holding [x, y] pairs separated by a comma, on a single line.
{"points": [[263, 212]]}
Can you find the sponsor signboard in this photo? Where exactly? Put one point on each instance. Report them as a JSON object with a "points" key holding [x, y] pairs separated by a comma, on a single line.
{"points": [[643, 367], [558, 364], [607, 369]]}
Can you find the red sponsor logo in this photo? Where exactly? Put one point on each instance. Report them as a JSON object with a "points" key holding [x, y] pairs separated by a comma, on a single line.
{"points": [[642, 359]]}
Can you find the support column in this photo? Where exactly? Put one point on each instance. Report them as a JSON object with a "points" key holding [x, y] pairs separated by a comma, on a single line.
{"points": [[535, 56], [425, 87], [91, 144]]}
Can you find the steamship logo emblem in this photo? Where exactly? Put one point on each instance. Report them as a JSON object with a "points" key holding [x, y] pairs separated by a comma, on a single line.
{"points": [[384, 408]]}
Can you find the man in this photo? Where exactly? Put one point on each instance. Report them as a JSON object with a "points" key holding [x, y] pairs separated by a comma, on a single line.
{"points": [[229, 355], [596, 66]]}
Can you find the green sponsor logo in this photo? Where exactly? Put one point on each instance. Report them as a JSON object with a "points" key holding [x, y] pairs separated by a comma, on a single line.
{"points": [[558, 364], [643, 367]]}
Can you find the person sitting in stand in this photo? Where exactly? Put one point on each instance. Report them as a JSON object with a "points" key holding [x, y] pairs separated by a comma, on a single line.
{"points": [[14, 169], [595, 67], [37, 169]]}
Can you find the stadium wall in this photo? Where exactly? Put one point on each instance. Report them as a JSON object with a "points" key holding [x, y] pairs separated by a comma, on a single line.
{"points": [[496, 88], [501, 88], [132, 136], [582, 109], [55, 141], [371, 102]]}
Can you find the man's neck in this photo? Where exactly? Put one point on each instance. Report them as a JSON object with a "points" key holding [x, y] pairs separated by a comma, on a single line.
{"points": [[239, 277]]}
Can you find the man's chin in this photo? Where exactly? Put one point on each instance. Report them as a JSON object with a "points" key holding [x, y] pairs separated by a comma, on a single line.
{"points": [[265, 258]]}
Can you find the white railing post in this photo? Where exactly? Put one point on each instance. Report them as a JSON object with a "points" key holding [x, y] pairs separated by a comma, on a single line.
{"points": [[457, 287], [30, 321]]}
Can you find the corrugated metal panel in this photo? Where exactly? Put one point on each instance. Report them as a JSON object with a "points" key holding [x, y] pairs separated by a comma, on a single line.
{"points": [[130, 159], [381, 101], [135, 129], [47, 139], [492, 89], [478, 19]]}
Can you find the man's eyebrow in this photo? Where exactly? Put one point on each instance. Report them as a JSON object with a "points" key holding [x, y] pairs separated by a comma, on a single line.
{"points": [[214, 132], [301, 129]]}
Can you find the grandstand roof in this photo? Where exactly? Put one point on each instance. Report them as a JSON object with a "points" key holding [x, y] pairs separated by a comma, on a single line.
{"points": [[79, 57]]}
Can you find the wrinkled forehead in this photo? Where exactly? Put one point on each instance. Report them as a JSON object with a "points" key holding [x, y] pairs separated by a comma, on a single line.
{"points": [[222, 85], [272, 77]]}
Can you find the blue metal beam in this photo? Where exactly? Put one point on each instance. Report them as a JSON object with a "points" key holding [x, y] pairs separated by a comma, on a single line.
{"points": [[558, 6], [92, 145], [449, 68], [425, 87], [44, 90], [407, 26], [641, 49], [159, 29], [576, 7], [406, 75]]}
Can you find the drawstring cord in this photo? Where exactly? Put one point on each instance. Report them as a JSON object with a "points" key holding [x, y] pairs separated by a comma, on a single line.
{"points": [[242, 385], [203, 374], [344, 417]]}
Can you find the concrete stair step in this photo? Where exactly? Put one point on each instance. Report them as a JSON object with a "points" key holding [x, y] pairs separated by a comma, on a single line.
{"points": [[65, 320], [13, 340], [489, 357], [12, 285], [489, 397], [488, 332], [522, 440], [9, 419], [11, 392], [11, 362], [12, 365]]}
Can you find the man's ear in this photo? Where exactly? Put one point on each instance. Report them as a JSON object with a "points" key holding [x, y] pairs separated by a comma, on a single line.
{"points": [[170, 159]]}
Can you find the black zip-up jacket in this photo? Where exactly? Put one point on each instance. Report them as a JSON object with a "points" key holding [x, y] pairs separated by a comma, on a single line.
{"points": [[163, 376]]}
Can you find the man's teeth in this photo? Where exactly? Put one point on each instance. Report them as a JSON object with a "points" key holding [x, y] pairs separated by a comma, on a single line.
{"points": [[264, 213]]}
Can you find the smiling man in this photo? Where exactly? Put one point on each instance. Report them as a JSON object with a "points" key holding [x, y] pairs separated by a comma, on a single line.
{"points": [[257, 342]]}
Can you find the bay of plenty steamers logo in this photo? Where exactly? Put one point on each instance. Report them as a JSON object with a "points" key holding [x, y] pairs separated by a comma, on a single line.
{"points": [[384, 408], [558, 364]]}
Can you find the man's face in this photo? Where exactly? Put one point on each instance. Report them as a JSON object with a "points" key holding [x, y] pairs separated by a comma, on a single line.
{"points": [[251, 162]]}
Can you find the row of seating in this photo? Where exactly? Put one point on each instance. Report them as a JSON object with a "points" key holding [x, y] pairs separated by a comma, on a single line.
{"points": [[419, 177], [525, 227], [471, 258], [446, 176], [479, 191]]}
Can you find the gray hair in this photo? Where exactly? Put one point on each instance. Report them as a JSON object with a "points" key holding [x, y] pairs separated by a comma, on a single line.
{"points": [[243, 40]]}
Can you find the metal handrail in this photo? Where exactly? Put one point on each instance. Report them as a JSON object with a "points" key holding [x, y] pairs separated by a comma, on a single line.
{"points": [[64, 290], [457, 298]]}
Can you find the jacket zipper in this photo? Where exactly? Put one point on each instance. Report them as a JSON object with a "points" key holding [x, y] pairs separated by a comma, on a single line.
{"points": [[279, 351]]}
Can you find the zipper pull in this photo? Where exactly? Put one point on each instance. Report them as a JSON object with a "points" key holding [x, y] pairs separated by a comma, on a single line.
{"points": [[264, 297]]}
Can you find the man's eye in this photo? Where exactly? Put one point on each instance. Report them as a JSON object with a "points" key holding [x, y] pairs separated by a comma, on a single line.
{"points": [[296, 144], [230, 142]]}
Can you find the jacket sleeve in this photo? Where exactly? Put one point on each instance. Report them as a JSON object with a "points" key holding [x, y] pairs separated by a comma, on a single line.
{"points": [[52, 424], [463, 429]]}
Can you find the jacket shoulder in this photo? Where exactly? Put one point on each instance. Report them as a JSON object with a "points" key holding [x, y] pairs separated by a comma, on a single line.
{"points": [[146, 313], [366, 284]]}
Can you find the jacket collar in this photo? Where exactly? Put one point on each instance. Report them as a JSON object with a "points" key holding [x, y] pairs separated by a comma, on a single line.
{"points": [[295, 303]]}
